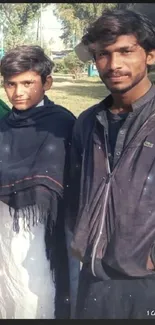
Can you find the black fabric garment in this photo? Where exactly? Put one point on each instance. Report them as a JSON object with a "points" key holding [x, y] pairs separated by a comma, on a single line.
{"points": [[115, 299], [34, 165], [32, 158], [115, 122], [129, 227], [125, 237]]}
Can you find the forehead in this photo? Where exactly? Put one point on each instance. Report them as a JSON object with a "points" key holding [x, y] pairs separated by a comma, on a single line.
{"points": [[121, 41], [27, 75]]}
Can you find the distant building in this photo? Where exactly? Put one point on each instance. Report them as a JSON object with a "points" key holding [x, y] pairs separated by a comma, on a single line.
{"points": [[60, 54]]}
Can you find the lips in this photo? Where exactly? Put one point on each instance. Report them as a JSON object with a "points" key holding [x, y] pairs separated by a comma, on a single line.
{"points": [[116, 75], [20, 101], [112, 77], [117, 78]]}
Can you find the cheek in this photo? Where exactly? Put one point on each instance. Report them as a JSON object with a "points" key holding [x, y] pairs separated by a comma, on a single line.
{"points": [[33, 92], [101, 65], [9, 92], [138, 67], [137, 63], [36, 91]]}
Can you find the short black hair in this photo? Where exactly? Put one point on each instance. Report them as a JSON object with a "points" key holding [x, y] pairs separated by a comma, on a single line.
{"points": [[24, 58], [116, 22]]}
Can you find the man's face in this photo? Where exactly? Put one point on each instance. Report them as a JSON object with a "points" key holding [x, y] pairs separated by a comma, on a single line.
{"points": [[25, 90], [123, 64]]}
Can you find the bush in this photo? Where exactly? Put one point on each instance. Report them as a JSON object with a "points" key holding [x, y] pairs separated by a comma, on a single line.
{"points": [[60, 66], [73, 64], [70, 64]]}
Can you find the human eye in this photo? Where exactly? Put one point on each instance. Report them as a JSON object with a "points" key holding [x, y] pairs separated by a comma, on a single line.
{"points": [[101, 55], [126, 51], [9, 84], [27, 84]]}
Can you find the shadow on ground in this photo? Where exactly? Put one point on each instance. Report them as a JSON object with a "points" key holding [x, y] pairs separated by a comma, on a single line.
{"points": [[93, 88], [96, 92], [88, 80], [63, 80]]}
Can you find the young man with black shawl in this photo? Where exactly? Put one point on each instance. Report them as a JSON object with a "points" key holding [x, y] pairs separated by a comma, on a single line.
{"points": [[34, 140]]}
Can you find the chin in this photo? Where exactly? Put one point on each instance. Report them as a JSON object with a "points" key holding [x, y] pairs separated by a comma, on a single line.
{"points": [[120, 90], [21, 108]]}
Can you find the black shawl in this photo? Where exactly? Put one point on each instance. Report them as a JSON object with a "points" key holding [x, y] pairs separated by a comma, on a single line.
{"points": [[33, 146], [34, 156]]}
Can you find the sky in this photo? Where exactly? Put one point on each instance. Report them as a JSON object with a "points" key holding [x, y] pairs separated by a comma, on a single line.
{"points": [[51, 27]]}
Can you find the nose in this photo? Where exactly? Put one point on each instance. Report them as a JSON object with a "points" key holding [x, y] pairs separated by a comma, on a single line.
{"points": [[19, 90], [115, 61]]}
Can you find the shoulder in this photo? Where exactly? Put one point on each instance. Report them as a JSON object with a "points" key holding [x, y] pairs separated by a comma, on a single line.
{"points": [[87, 118], [65, 112], [84, 126], [60, 110]]}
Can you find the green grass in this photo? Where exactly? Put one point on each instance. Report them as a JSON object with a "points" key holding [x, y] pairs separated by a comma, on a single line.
{"points": [[76, 95]]}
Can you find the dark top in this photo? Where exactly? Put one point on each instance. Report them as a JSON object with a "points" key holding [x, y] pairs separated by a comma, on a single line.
{"points": [[131, 172], [115, 122]]}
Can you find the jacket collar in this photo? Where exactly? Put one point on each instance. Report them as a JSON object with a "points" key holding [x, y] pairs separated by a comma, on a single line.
{"points": [[108, 101]]}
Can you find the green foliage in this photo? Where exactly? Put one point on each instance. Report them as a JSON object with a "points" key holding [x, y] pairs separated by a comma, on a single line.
{"points": [[70, 64], [60, 66], [15, 19], [76, 17], [74, 65]]}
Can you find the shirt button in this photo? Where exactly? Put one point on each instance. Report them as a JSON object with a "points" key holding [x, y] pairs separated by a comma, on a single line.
{"points": [[122, 131], [118, 153]]}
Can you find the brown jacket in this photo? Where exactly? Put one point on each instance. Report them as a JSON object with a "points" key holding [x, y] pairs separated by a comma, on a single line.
{"points": [[113, 211]]}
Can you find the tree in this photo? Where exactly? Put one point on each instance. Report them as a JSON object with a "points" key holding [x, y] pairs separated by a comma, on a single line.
{"points": [[75, 18], [15, 19]]}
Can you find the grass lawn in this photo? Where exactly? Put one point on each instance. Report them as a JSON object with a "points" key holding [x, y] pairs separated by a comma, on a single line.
{"points": [[76, 95]]}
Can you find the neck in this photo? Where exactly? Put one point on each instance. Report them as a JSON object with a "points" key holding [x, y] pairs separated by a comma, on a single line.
{"points": [[122, 103]]}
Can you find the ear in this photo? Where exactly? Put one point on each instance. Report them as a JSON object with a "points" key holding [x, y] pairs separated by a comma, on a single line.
{"points": [[151, 58], [48, 83]]}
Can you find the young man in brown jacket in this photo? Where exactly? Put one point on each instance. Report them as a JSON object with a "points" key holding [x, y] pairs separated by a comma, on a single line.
{"points": [[112, 205]]}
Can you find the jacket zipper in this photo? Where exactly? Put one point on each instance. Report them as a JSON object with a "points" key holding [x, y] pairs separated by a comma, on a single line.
{"points": [[108, 182]]}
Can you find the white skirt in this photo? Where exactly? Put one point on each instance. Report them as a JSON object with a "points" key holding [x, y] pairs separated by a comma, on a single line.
{"points": [[27, 289]]}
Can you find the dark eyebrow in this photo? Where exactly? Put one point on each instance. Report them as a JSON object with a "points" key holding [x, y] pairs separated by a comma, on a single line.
{"points": [[30, 81], [22, 82], [104, 49], [123, 48]]}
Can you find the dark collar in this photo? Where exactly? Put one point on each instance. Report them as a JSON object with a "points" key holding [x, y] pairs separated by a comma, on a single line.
{"points": [[108, 101], [144, 99]]}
